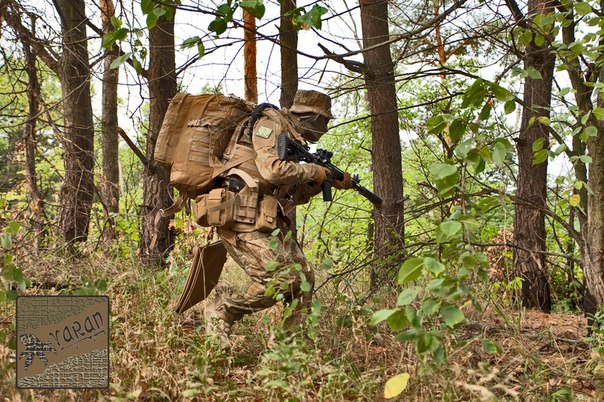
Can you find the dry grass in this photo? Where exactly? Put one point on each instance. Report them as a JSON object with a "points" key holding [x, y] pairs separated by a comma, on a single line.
{"points": [[157, 356]]}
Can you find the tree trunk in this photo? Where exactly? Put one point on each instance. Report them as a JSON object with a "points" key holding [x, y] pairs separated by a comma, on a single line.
{"points": [[593, 270], [289, 56], [529, 226], [386, 154], [29, 142], [78, 153], [289, 73], [249, 57], [109, 124], [158, 240]]}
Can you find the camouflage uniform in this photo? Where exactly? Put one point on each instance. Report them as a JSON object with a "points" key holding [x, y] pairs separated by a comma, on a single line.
{"points": [[292, 183]]}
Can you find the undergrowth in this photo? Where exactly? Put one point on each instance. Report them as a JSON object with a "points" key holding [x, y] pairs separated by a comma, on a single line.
{"points": [[156, 355]]}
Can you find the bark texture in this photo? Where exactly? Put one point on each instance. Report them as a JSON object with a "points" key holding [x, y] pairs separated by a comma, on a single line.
{"points": [[249, 56], [289, 72], [29, 141], [593, 270], [529, 220], [158, 240], [74, 74], [109, 123], [289, 56], [386, 153]]}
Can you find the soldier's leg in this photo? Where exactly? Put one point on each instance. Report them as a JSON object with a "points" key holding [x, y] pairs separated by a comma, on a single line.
{"points": [[266, 265]]}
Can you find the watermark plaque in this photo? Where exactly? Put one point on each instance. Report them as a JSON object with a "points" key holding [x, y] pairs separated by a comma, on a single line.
{"points": [[62, 342]]}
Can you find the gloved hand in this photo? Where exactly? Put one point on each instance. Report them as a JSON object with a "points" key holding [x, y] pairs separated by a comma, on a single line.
{"points": [[319, 174], [343, 184]]}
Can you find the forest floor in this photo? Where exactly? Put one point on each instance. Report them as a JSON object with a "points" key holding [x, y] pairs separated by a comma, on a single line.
{"points": [[156, 355]]}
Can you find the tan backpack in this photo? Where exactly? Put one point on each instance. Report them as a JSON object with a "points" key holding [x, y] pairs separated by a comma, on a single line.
{"points": [[194, 135]]}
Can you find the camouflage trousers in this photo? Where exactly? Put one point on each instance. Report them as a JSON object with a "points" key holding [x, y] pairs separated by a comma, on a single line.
{"points": [[274, 263]]}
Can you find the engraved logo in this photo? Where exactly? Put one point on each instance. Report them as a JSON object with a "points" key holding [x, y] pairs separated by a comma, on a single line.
{"points": [[63, 342]]}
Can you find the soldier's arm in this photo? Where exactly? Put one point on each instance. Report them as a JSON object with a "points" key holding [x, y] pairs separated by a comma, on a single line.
{"points": [[274, 170], [305, 192]]}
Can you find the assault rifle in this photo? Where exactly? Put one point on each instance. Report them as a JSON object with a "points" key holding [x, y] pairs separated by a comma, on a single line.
{"points": [[289, 149]]}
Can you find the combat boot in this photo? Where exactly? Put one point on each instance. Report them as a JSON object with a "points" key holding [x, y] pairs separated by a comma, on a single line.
{"points": [[217, 324]]}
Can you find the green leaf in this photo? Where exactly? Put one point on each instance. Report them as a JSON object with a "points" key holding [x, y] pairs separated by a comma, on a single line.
{"points": [[190, 42], [582, 8], [447, 185], [531, 72], [13, 227], [440, 355], [434, 266], [426, 343], [590, 131], [442, 170], [116, 22], [538, 144], [147, 6], [306, 286], [540, 156], [326, 264], [410, 270], [254, 7], [111, 37], [456, 130], [397, 321], [430, 306], [137, 65], [500, 93], [574, 200], [451, 315], [151, 20], [407, 296], [310, 19], [6, 240], [271, 266], [158, 11], [474, 96], [120, 60], [381, 315], [450, 228], [598, 113], [543, 120], [509, 107], [396, 385], [437, 124], [463, 148], [201, 50], [490, 346], [485, 112], [499, 152], [218, 26]]}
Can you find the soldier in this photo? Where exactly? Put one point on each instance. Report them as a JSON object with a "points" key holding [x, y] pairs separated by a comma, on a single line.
{"points": [[290, 184]]}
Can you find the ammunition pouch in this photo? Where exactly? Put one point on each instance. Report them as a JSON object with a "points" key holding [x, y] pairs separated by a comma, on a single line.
{"points": [[228, 209], [216, 208], [267, 214]]}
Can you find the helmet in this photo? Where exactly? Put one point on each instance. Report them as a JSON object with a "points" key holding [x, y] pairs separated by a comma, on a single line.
{"points": [[312, 102]]}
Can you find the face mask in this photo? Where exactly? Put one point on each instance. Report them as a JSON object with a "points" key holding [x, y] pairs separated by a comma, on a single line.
{"points": [[312, 126]]}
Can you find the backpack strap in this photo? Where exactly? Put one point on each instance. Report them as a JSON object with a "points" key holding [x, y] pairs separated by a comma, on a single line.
{"points": [[257, 113]]}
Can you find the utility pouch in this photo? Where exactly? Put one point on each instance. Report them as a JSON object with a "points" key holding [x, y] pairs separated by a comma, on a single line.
{"points": [[216, 208], [267, 214]]}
